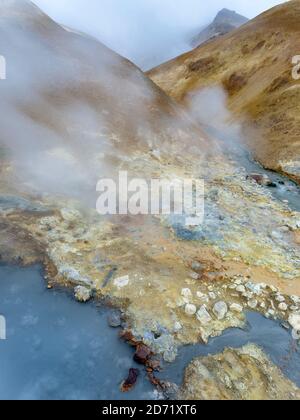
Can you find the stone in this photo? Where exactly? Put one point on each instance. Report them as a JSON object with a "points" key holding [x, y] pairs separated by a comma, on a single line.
{"points": [[212, 295], [114, 319], [252, 303], [283, 307], [177, 326], [186, 293], [142, 354], [131, 380], [220, 310], [200, 295], [82, 294], [260, 179], [241, 289], [190, 309], [196, 266], [294, 321], [235, 307], [121, 282], [194, 276], [203, 316], [280, 298]]}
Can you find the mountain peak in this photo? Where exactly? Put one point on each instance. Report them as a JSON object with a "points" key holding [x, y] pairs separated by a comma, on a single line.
{"points": [[225, 21]]}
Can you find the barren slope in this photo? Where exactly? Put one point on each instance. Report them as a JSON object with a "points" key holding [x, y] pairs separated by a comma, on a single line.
{"points": [[254, 65]]}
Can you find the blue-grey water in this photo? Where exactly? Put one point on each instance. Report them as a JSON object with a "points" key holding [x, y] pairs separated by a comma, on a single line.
{"points": [[57, 348]]}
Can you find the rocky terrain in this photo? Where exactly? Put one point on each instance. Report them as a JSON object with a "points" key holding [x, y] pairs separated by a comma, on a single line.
{"points": [[254, 66], [78, 112], [242, 374], [225, 22]]}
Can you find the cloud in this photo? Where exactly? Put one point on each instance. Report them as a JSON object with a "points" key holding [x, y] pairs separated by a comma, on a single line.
{"points": [[147, 32]]}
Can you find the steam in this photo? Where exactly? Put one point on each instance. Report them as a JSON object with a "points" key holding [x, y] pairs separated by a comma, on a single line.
{"points": [[74, 112], [209, 108]]}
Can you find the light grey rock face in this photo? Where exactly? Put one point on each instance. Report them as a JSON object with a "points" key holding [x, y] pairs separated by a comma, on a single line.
{"points": [[82, 294], [225, 21], [220, 310]]}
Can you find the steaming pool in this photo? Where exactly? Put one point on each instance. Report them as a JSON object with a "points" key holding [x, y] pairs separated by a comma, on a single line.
{"points": [[57, 348]]}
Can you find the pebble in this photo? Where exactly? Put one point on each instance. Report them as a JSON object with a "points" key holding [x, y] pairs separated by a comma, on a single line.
{"points": [[252, 303], [203, 316], [190, 309], [82, 294], [220, 309], [186, 293], [212, 295], [121, 281], [196, 266], [177, 326], [283, 306], [114, 319], [194, 276], [280, 298], [241, 289], [235, 307], [294, 321]]}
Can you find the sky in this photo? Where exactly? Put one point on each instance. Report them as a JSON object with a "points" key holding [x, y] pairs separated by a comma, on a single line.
{"points": [[148, 32]]}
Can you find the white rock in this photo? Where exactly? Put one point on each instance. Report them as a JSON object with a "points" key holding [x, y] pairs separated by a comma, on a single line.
{"points": [[212, 295], [194, 276], [283, 306], [280, 298], [235, 307], [270, 313], [186, 293], [203, 316], [241, 289], [200, 295], [121, 281], [190, 309], [177, 326], [252, 303], [294, 321], [82, 294], [220, 309], [295, 299]]}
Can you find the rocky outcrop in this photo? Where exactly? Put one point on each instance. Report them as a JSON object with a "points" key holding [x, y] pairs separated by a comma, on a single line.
{"points": [[242, 374], [225, 21]]}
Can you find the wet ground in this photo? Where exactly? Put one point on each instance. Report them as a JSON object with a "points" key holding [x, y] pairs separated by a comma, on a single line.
{"points": [[57, 348], [283, 188]]}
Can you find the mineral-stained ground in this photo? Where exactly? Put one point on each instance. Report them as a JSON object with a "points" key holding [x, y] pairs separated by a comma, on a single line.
{"points": [[175, 285]]}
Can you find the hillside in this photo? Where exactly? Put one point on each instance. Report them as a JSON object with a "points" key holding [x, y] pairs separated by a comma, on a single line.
{"points": [[254, 66], [225, 22], [69, 102]]}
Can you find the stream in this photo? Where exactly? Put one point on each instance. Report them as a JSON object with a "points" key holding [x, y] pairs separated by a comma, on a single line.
{"points": [[57, 348]]}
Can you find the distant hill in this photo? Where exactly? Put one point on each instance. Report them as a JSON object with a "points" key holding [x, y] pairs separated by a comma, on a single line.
{"points": [[225, 21]]}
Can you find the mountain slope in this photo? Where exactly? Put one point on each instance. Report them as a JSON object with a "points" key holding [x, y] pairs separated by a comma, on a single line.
{"points": [[70, 102], [254, 65], [225, 22]]}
